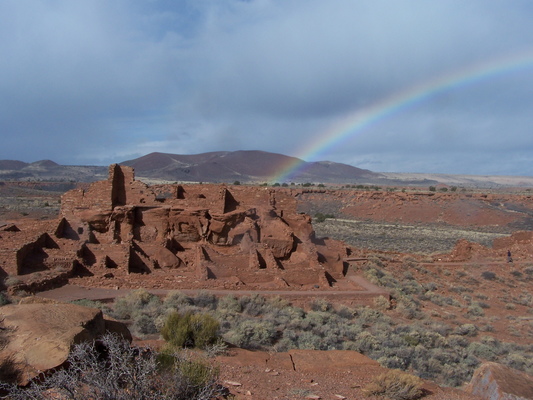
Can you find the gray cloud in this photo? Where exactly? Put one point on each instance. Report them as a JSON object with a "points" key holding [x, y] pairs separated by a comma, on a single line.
{"points": [[98, 81]]}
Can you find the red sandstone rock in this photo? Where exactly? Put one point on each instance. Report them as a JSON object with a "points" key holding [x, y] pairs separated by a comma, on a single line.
{"points": [[497, 382], [40, 335]]}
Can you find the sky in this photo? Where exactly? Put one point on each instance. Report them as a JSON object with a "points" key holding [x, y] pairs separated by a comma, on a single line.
{"points": [[387, 85]]}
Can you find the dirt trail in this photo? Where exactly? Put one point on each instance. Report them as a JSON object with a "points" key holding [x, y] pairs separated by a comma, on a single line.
{"points": [[367, 293]]}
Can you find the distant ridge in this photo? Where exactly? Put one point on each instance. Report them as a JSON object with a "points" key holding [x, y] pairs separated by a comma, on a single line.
{"points": [[243, 166], [13, 165]]}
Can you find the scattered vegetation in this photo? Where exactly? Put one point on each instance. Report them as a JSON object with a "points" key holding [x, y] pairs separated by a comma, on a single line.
{"points": [[445, 353], [112, 369]]}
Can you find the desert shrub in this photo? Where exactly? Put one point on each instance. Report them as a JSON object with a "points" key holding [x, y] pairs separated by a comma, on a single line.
{"points": [[370, 316], [525, 299], [215, 349], [435, 298], [279, 302], [284, 344], [482, 350], [142, 308], [466, 330], [198, 373], [310, 341], [205, 300], [392, 362], [12, 281], [251, 333], [144, 323], [321, 305], [319, 217], [455, 375], [381, 303], [475, 311], [126, 307], [488, 275], [516, 361], [411, 287], [432, 339], [395, 385], [9, 371], [345, 312], [176, 299], [190, 330], [366, 342], [254, 305], [112, 369], [229, 304], [4, 299], [460, 289], [482, 304], [408, 308]]}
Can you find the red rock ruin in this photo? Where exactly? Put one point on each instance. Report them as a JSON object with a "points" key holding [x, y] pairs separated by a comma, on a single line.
{"points": [[121, 232]]}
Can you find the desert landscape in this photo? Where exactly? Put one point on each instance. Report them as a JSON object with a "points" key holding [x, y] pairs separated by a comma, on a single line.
{"points": [[316, 290], [266, 200]]}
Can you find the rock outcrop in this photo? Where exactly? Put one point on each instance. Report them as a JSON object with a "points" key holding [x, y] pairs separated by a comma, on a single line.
{"points": [[38, 336], [494, 381]]}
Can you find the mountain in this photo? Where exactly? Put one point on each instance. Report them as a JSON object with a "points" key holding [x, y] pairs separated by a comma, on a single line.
{"points": [[47, 170], [244, 166], [12, 165]]}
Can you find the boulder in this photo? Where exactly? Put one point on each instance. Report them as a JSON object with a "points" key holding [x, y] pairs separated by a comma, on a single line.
{"points": [[38, 337], [494, 381]]}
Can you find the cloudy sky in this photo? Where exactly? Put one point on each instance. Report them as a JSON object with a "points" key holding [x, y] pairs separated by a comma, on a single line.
{"points": [[400, 86]]}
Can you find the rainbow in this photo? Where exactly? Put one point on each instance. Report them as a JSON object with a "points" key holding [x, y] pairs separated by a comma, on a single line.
{"points": [[355, 122]]}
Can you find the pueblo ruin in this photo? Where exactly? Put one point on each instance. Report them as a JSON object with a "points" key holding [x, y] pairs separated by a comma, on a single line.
{"points": [[122, 233]]}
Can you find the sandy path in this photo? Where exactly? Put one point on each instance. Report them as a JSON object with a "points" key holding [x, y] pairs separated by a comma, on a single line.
{"points": [[73, 292]]}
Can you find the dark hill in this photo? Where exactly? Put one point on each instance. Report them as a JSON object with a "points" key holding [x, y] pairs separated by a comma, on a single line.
{"points": [[44, 164], [243, 166], [12, 165]]}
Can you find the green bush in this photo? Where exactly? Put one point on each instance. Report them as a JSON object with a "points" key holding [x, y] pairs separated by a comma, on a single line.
{"points": [[319, 217], [190, 330]]}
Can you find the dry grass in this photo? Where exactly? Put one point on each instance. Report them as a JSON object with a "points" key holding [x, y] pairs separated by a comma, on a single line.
{"points": [[400, 238], [395, 385]]}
